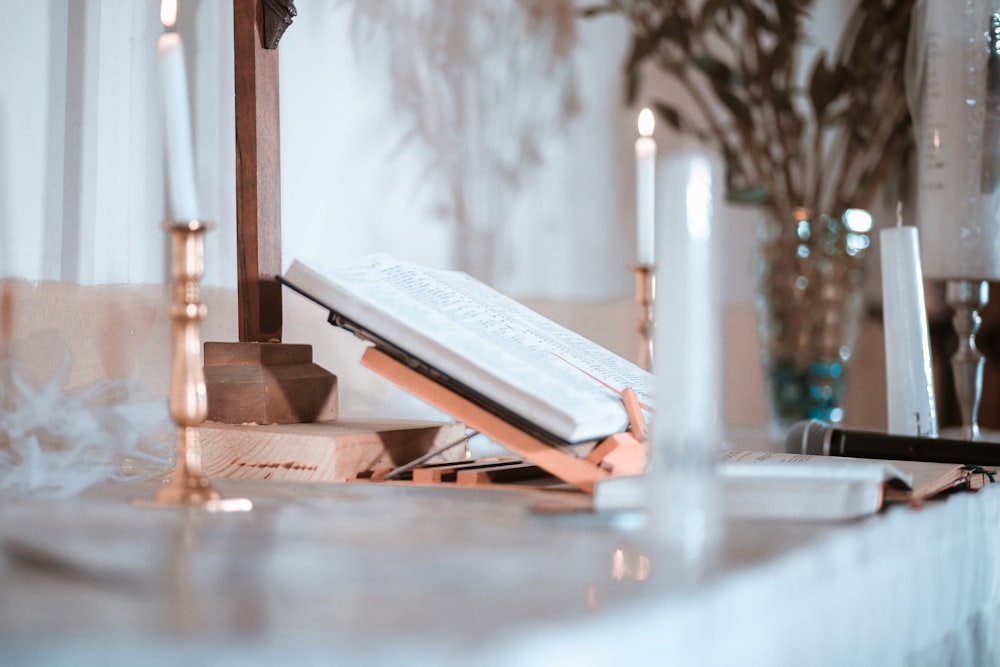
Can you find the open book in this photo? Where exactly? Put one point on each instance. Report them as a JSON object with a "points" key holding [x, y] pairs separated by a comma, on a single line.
{"points": [[480, 344], [799, 486]]}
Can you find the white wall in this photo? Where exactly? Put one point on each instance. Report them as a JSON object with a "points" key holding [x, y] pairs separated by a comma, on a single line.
{"points": [[81, 157], [81, 154], [34, 91]]}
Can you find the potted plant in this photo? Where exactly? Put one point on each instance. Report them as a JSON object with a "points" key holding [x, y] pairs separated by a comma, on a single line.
{"points": [[810, 148]]}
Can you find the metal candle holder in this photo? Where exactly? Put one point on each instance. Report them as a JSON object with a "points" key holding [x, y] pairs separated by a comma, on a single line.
{"points": [[188, 401], [967, 298], [645, 295]]}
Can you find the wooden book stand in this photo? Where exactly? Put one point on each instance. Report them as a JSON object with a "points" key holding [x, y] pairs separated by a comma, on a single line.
{"points": [[620, 454]]}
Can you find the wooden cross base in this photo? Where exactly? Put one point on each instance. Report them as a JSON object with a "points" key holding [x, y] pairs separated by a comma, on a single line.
{"points": [[267, 383], [620, 454]]}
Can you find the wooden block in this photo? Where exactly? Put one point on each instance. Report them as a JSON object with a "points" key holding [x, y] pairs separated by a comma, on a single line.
{"points": [[267, 383], [330, 451], [435, 473], [627, 457], [507, 472], [602, 449]]}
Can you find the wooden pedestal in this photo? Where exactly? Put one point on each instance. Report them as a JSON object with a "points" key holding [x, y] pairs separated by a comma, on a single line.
{"points": [[267, 383]]}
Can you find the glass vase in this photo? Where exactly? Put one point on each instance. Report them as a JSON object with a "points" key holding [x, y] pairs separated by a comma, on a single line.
{"points": [[810, 304]]}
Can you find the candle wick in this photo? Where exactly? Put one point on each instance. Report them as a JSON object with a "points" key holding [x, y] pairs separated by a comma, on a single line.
{"points": [[899, 214]]}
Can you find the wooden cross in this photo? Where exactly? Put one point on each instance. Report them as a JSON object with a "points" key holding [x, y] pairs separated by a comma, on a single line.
{"points": [[258, 168], [260, 379]]}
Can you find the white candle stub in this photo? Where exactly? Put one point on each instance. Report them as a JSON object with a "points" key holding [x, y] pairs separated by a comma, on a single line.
{"points": [[645, 188], [183, 195], [909, 375]]}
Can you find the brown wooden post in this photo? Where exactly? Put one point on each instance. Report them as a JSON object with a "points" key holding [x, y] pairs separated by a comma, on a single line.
{"points": [[258, 177], [261, 380]]}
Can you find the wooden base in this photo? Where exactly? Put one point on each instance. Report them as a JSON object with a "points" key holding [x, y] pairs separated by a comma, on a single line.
{"points": [[331, 451], [267, 383]]}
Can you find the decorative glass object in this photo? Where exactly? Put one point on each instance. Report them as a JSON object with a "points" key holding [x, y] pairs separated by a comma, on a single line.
{"points": [[952, 83], [810, 303]]}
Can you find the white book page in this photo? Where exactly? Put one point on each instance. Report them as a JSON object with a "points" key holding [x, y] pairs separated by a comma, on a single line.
{"points": [[552, 346], [769, 497], [739, 463], [792, 498], [485, 340]]}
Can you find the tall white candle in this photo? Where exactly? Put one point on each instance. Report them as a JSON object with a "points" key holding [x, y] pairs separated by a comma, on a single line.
{"points": [[180, 156], [688, 320], [645, 188], [687, 430], [909, 375]]}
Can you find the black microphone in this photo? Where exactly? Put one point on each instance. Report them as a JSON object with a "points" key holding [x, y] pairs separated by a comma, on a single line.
{"points": [[819, 438]]}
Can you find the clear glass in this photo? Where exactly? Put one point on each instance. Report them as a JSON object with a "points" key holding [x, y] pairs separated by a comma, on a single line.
{"points": [[810, 302], [953, 89]]}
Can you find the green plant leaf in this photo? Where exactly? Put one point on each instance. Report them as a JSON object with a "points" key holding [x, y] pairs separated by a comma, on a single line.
{"points": [[669, 114], [710, 11], [633, 83], [737, 107], [716, 69], [738, 189], [596, 10], [632, 67], [790, 16], [739, 59], [755, 194], [822, 86]]}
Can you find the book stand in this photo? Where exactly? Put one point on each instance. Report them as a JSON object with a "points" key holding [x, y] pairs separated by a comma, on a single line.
{"points": [[620, 454]]}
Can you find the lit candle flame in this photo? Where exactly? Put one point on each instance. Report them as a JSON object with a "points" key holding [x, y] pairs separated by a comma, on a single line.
{"points": [[168, 13], [646, 123]]}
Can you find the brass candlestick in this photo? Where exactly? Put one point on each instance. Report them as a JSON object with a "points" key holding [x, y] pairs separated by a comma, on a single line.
{"points": [[967, 298], [188, 485], [645, 295]]}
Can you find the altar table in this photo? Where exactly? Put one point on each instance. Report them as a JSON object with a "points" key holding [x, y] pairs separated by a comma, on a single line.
{"points": [[385, 574]]}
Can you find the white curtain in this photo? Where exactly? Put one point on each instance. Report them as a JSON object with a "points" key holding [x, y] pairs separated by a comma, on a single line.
{"points": [[81, 141], [81, 159]]}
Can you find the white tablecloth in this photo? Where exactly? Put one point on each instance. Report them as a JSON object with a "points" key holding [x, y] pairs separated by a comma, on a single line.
{"points": [[380, 574]]}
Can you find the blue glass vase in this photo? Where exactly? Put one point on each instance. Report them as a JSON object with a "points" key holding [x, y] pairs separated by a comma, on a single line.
{"points": [[810, 303]]}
